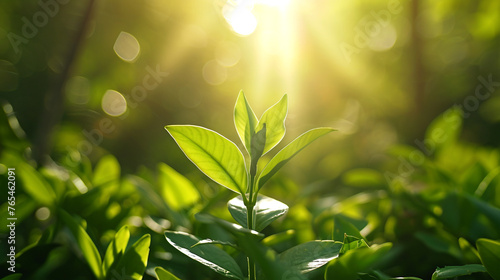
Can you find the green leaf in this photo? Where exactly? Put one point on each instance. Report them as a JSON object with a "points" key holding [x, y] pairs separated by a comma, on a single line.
{"points": [[347, 266], [115, 250], [443, 131], [258, 143], [176, 190], [311, 255], [35, 184], [278, 238], [213, 154], [84, 242], [266, 211], [163, 274], [456, 271], [208, 255], [489, 251], [268, 261], [342, 227], [245, 121], [210, 241], [106, 171], [133, 263], [274, 119], [283, 156]]}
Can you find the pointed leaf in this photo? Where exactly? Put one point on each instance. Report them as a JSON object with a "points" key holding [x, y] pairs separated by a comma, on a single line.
{"points": [[176, 190], [283, 156], [274, 119], [85, 243], [245, 121], [456, 271], [311, 255], [266, 211], [213, 154], [163, 274], [116, 248], [133, 263], [258, 143], [342, 227], [489, 251], [208, 255]]}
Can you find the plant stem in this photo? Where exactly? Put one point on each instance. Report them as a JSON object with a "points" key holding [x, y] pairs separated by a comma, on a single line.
{"points": [[252, 275]]}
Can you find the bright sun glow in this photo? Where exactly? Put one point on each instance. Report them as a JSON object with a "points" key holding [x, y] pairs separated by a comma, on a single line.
{"points": [[241, 17]]}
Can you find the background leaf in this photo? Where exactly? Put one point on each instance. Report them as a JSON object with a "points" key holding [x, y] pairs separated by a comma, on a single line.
{"points": [[177, 191], [85, 243], [213, 154], [274, 119], [489, 251], [208, 255], [283, 156], [163, 274], [35, 185]]}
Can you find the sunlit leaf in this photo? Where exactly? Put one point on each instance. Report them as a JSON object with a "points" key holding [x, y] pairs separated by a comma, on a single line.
{"points": [[245, 121], [116, 248], [178, 192], [489, 251], [133, 263], [85, 243], [266, 211], [311, 255], [106, 171], [274, 119], [283, 156], [35, 184], [210, 241], [163, 274], [456, 271], [216, 156], [208, 255]]}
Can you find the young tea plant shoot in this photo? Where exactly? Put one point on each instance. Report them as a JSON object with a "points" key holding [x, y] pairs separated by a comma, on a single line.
{"points": [[222, 161]]}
